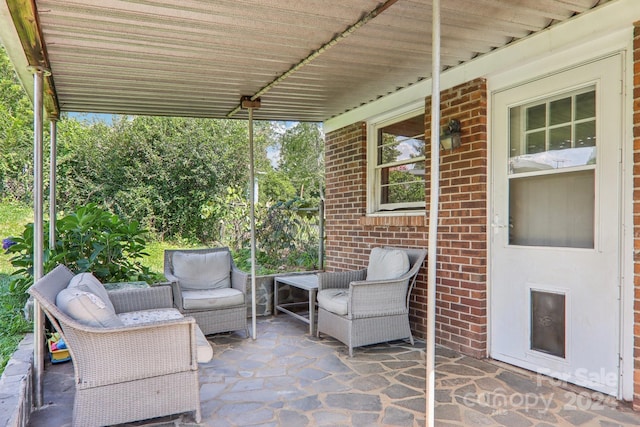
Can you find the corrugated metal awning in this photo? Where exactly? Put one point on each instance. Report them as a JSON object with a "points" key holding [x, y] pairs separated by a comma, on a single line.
{"points": [[198, 57]]}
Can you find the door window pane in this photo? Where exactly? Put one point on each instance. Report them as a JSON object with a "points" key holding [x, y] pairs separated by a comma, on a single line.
{"points": [[586, 134], [586, 105], [560, 111], [535, 142], [560, 138], [536, 117], [553, 134], [553, 210]]}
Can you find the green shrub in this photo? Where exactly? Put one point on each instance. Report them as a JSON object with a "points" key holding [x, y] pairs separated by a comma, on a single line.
{"points": [[90, 239], [288, 235], [286, 232]]}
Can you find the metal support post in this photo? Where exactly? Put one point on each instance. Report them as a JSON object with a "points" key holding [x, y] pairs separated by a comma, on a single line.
{"points": [[434, 199], [248, 103], [53, 182], [38, 233]]}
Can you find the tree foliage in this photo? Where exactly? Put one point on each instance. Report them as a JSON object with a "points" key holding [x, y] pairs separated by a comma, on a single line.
{"points": [[302, 158], [180, 178], [90, 239], [16, 136], [157, 170]]}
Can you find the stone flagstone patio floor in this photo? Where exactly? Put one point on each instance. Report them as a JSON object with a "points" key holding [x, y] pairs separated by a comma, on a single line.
{"points": [[287, 378]]}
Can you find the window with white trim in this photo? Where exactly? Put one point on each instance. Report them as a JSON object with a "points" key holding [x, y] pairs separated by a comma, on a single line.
{"points": [[397, 164]]}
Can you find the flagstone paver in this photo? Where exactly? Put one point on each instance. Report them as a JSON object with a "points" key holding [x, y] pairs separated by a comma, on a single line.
{"points": [[287, 378]]}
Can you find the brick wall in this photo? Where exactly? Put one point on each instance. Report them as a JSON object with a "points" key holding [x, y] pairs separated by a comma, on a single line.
{"points": [[461, 293], [462, 306], [636, 213]]}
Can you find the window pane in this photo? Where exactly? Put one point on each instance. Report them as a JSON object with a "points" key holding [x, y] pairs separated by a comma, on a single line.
{"points": [[560, 138], [536, 117], [586, 105], [535, 142], [560, 111], [586, 134], [401, 141], [553, 210], [402, 184], [398, 148]]}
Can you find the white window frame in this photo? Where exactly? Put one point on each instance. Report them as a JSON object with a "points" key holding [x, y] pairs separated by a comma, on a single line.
{"points": [[374, 205]]}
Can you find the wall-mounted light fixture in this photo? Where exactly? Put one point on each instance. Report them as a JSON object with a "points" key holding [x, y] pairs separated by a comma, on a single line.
{"points": [[450, 138]]}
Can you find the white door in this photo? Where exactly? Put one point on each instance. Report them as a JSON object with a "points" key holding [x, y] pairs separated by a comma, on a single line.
{"points": [[555, 266]]}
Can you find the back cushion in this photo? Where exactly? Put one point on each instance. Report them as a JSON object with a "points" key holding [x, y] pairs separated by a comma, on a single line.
{"points": [[385, 264], [202, 270], [88, 282], [87, 308]]}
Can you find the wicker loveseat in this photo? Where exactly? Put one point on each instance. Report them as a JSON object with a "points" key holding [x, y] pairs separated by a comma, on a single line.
{"points": [[129, 368], [371, 305]]}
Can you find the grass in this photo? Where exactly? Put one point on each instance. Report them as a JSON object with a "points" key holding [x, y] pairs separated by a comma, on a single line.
{"points": [[13, 218]]}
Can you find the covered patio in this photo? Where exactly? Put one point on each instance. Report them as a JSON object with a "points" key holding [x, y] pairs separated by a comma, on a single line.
{"points": [[348, 65], [287, 378]]}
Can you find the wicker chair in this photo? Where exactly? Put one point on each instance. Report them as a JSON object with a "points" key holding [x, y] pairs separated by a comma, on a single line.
{"points": [[372, 311], [126, 373], [216, 308]]}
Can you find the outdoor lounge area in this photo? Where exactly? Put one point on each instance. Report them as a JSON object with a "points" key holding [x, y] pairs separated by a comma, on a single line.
{"points": [[500, 136], [288, 378]]}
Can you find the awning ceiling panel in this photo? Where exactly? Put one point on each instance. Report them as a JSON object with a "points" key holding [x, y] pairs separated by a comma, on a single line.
{"points": [[198, 57]]}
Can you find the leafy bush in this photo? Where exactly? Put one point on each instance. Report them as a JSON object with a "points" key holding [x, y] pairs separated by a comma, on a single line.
{"points": [[90, 239], [286, 232]]}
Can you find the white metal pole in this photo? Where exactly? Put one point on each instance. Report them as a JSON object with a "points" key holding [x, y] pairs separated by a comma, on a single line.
{"points": [[38, 234], [252, 215], [53, 182], [433, 214]]}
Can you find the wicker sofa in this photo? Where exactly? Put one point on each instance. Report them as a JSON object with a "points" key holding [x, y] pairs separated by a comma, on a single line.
{"points": [[209, 287], [370, 305], [135, 367]]}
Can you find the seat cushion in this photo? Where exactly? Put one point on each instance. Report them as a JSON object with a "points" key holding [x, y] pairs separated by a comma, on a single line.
{"points": [[211, 298], [89, 283], [386, 264], [203, 348], [87, 308], [202, 270], [334, 300]]}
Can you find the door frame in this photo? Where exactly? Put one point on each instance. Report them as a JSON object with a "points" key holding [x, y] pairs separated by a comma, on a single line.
{"points": [[621, 44]]}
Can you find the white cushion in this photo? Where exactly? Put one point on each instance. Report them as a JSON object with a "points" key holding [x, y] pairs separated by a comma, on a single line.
{"points": [[386, 264], [88, 282], [202, 270], [87, 308], [334, 300], [211, 298], [203, 348]]}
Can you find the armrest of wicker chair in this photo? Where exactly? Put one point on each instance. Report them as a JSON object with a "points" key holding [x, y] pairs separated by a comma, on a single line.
{"points": [[176, 290], [239, 279], [339, 279]]}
